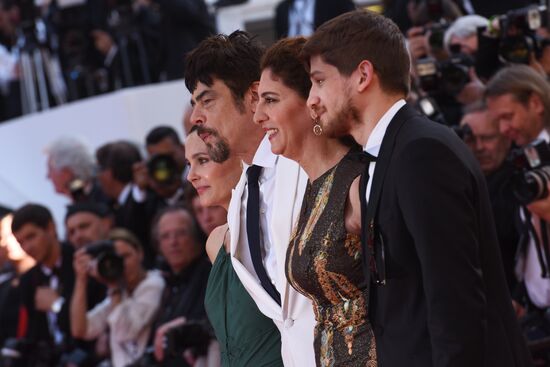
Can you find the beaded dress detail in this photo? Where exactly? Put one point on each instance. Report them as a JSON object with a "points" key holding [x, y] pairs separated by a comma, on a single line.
{"points": [[324, 264]]}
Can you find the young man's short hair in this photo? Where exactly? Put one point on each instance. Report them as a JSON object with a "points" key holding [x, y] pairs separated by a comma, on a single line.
{"points": [[31, 213], [360, 35], [234, 59]]}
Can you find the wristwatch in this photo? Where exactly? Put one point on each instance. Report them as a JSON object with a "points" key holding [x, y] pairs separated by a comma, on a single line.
{"points": [[57, 304]]}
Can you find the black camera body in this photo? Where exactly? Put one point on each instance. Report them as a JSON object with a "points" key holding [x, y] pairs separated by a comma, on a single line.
{"points": [[518, 34], [28, 353], [192, 335], [532, 164], [464, 132], [447, 77], [110, 266], [163, 169]]}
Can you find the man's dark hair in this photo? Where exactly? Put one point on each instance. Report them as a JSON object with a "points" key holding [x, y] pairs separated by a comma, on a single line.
{"points": [[119, 157], [284, 62], [350, 38], [31, 213], [160, 133], [234, 59], [98, 209]]}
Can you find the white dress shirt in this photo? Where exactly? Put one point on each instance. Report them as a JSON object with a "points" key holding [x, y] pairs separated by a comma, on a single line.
{"points": [[52, 316], [266, 159], [528, 267], [377, 135]]}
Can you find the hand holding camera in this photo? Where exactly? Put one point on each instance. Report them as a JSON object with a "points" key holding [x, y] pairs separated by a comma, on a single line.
{"points": [[100, 261]]}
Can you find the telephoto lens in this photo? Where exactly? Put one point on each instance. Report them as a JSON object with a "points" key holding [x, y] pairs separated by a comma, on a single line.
{"points": [[110, 266]]}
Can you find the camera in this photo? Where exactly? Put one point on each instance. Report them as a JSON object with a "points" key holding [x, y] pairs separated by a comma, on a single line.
{"points": [[28, 353], [163, 169], [464, 132], [444, 77], [193, 335], [532, 164], [519, 40], [110, 266]]}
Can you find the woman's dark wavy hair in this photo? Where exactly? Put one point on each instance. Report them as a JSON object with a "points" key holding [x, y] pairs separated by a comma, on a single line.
{"points": [[283, 59]]}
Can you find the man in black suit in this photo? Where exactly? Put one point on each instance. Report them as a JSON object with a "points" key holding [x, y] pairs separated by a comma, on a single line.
{"points": [[438, 296], [302, 17], [47, 287], [116, 162]]}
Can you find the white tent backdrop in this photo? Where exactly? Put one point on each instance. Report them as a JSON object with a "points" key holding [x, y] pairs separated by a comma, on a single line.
{"points": [[127, 114]]}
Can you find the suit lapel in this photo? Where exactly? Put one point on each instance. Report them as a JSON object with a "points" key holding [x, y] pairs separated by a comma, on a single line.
{"points": [[384, 157], [241, 256], [381, 168], [234, 215], [290, 182]]}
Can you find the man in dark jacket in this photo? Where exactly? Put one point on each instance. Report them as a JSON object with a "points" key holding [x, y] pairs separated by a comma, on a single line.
{"points": [[437, 291]]}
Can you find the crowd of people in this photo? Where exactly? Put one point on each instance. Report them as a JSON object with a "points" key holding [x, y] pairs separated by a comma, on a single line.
{"points": [[80, 49], [358, 196]]}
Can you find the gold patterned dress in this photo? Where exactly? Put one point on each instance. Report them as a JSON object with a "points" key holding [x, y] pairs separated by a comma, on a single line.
{"points": [[324, 264]]}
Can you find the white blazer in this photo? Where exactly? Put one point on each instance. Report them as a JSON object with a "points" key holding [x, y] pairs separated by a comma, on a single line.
{"points": [[294, 318]]}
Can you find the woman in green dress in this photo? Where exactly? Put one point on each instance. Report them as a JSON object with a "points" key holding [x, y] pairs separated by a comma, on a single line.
{"points": [[246, 336], [324, 255]]}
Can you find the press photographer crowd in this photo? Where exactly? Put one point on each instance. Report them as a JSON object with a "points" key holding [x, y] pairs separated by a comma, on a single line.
{"points": [[126, 284], [58, 51]]}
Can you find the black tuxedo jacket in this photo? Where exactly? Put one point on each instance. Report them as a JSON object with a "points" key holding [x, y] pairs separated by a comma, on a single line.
{"points": [[324, 10], [445, 301]]}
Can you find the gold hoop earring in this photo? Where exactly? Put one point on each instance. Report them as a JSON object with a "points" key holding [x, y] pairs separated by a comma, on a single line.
{"points": [[317, 129]]}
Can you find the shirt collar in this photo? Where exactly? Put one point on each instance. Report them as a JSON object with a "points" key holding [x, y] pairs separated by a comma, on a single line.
{"points": [[49, 271], [375, 139], [124, 194], [264, 157], [544, 135]]}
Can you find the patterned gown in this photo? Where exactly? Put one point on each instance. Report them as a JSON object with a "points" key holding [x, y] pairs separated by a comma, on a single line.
{"points": [[324, 264]]}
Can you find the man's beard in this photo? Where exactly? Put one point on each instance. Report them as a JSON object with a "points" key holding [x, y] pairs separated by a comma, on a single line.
{"points": [[218, 151], [343, 121]]}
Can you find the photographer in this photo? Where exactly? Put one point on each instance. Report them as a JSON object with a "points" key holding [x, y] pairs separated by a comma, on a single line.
{"points": [[87, 223], [182, 247], [490, 147], [444, 65], [71, 168], [132, 301], [116, 161], [46, 288], [164, 171], [519, 99]]}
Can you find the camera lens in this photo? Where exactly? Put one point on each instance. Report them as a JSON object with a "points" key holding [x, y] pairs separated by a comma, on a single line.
{"points": [[110, 266], [532, 185], [163, 169]]}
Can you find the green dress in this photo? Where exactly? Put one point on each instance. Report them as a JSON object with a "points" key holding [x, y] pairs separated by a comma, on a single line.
{"points": [[246, 336]]}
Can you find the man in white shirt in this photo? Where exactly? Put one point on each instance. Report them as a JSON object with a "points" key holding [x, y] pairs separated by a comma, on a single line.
{"points": [[438, 296], [519, 99], [222, 74]]}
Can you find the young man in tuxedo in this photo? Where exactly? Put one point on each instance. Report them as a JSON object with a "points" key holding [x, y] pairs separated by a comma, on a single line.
{"points": [[438, 296], [223, 74]]}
